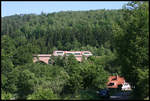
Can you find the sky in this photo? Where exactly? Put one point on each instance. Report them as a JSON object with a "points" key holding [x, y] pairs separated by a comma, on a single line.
{"points": [[36, 7]]}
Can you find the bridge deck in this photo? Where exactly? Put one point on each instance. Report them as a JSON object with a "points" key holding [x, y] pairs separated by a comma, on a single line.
{"points": [[42, 55]]}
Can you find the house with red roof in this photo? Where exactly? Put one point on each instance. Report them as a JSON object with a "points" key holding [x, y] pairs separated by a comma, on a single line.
{"points": [[114, 81]]}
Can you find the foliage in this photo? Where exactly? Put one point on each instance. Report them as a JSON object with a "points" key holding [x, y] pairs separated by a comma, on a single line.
{"points": [[131, 42], [89, 29], [75, 79], [12, 79], [26, 83], [6, 95], [118, 40], [143, 76], [94, 76], [42, 94]]}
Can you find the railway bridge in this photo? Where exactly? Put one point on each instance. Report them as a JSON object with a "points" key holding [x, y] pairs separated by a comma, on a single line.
{"points": [[45, 57], [41, 58]]}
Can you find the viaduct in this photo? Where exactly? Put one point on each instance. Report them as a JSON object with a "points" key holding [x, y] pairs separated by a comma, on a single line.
{"points": [[45, 58]]}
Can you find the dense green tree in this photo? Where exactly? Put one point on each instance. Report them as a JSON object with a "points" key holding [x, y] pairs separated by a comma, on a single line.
{"points": [[42, 94], [26, 83], [7, 44], [11, 83], [94, 75], [131, 39], [6, 95], [3, 81], [6, 66], [85, 28], [22, 55], [118, 40], [75, 79]]}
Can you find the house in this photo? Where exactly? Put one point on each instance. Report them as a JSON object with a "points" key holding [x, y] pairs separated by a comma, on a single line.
{"points": [[115, 81]]}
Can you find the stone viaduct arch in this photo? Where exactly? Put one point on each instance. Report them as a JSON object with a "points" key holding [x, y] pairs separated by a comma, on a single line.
{"points": [[41, 57]]}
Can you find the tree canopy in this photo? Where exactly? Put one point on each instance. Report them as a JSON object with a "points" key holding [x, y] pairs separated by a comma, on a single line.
{"points": [[118, 40]]}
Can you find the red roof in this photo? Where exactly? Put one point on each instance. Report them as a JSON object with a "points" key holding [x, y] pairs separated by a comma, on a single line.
{"points": [[116, 80]]}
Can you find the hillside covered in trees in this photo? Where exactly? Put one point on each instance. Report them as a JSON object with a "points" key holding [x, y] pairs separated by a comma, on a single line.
{"points": [[118, 37]]}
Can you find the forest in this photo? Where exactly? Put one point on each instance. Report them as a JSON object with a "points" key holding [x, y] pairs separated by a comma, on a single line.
{"points": [[120, 39]]}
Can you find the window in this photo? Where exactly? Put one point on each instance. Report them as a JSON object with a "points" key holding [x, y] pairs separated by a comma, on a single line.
{"points": [[76, 53], [111, 84], [60, 53], [68, 53], [86, 53]]}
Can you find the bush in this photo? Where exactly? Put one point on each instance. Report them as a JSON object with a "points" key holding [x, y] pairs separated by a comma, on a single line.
{"points": [[6, 95], [42, 94]]}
